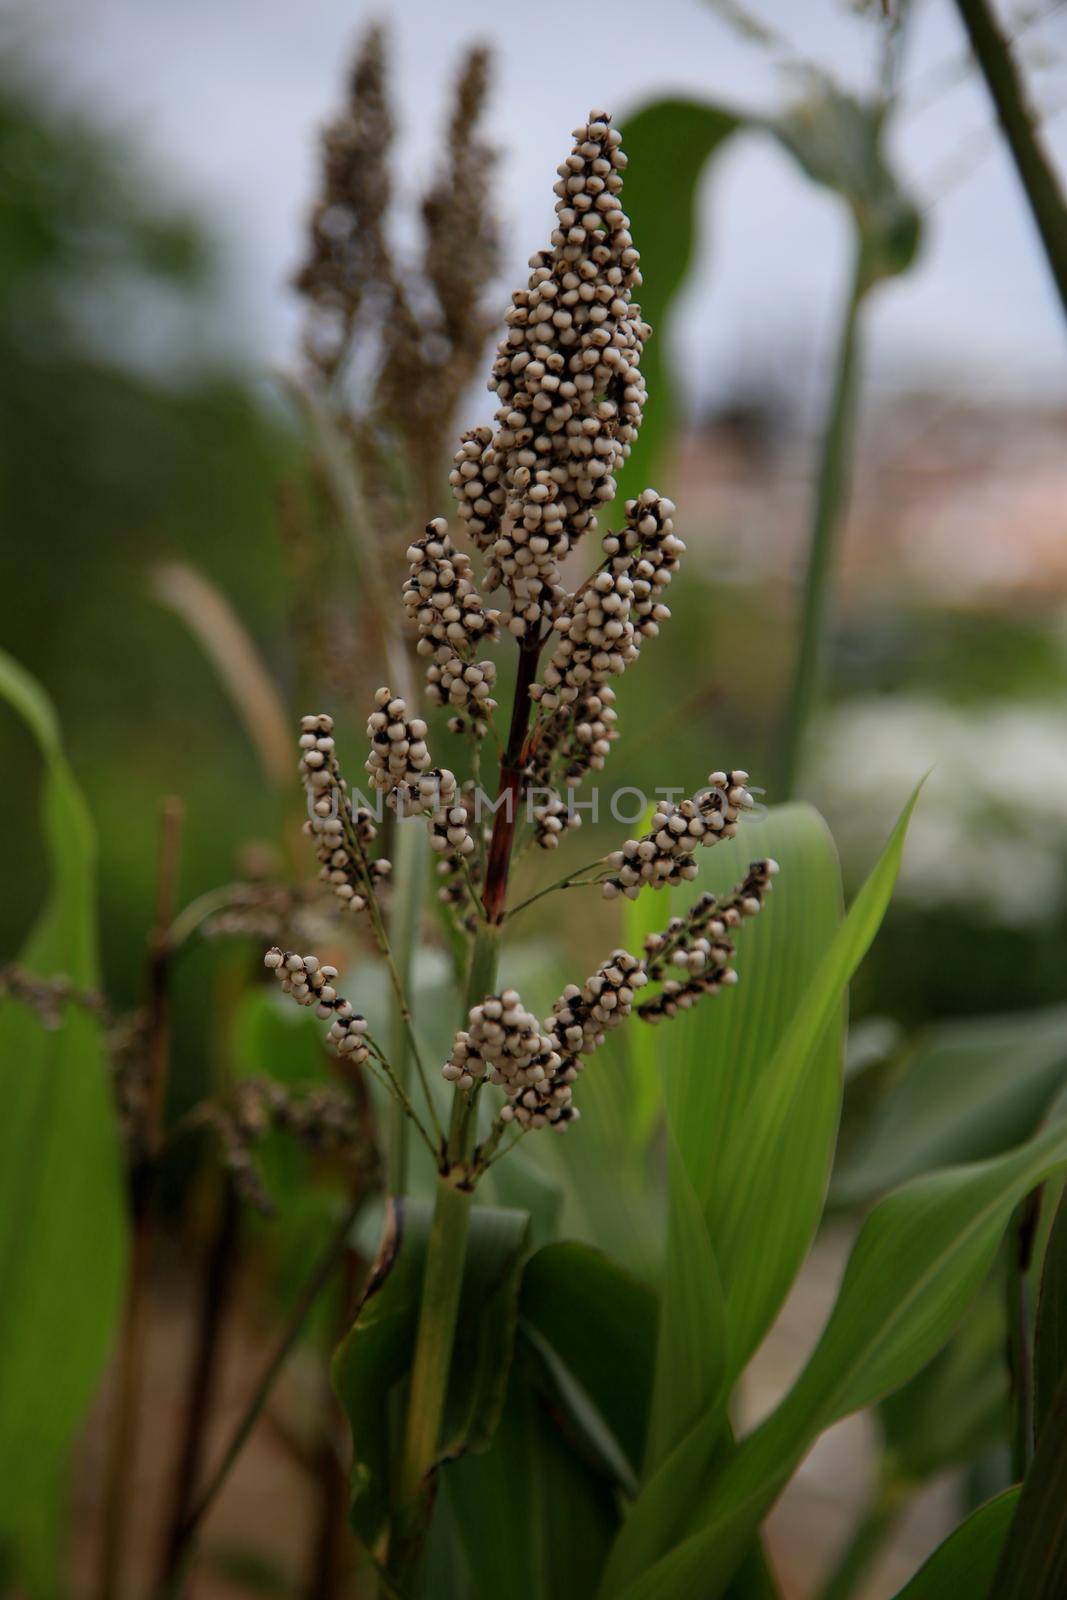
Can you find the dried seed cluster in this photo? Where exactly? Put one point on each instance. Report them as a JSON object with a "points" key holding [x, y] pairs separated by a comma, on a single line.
{"points": [[603, 625], [261, 911], [665, 855], [581, 1017], [571, 742], [437, 323], [503, 1039], [459, 867], [311, 984], [568, 379], [700, 945], [322, 1119], [341, 834], [348, 253], [443, 599]]}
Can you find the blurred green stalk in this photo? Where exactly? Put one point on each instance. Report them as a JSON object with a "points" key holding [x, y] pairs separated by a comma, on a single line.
{"points": [[827, 517], [1020, 127], [409, 883], [438, 1308]]}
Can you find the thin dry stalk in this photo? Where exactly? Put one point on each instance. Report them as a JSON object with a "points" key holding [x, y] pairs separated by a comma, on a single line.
{"points": [[123, 1437]]}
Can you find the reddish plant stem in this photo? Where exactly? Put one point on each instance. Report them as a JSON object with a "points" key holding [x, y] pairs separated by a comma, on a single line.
{"points": [[509, 791]]}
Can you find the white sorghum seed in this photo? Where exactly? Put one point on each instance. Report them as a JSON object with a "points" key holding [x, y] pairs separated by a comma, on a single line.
{"points": [[443, 599], [700, 945], [342, 834], [309, 982], [666, 854], [568, 381]]}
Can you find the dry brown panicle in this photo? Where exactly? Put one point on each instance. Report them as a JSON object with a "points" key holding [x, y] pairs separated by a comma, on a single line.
{"points": [[349, 259], [436, 330]]}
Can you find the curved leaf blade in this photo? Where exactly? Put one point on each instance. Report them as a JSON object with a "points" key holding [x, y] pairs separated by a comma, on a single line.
{"points": [[63, 1230], [1050, 1326], [964, 1564], [775, 1175], [916, 1264], [1033, 1563], [690, 1369], [600, 1323], [954, 1101]]}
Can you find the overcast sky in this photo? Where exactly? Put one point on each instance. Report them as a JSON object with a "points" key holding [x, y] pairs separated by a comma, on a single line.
{"points": [[222, 98]]}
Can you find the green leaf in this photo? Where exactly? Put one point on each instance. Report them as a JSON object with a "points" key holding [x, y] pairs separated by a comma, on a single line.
{"points": [[599, 1323], [775, 1177], [915, 1267], [839, 142], [691, 1346], [720, 1060], [955, 1102], [1050, 1326], [375, 1356], [964, 1564], [63, 1229], [535, 1521], [1033, 1562], [668, 145]]}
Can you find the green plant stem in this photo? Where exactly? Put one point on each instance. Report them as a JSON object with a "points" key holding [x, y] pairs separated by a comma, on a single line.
{"points": [[1019, 124], [481, 980], [434, 1340], [447, 1245], [828, 506], [409, 875], [867, 1540], [439, 1306]]}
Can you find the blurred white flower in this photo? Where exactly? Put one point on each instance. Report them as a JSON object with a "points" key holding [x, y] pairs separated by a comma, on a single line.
{"points": [[990, 832]]}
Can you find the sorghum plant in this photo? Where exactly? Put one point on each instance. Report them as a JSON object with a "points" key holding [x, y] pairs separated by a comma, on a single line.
{"points": [[532, 493]]}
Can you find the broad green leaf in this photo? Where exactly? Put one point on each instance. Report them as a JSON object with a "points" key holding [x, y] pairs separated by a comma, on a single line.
{"points": [[375, 1356], [965, 1563], [668, 145], [1050, 1326], [774, 1177], [599, 1323], [535, 1521], [691, 1343], [63, 1230], [660, 1517], [1033, 1562], [954, 1101], [914, 1269], [719, 1060]]}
